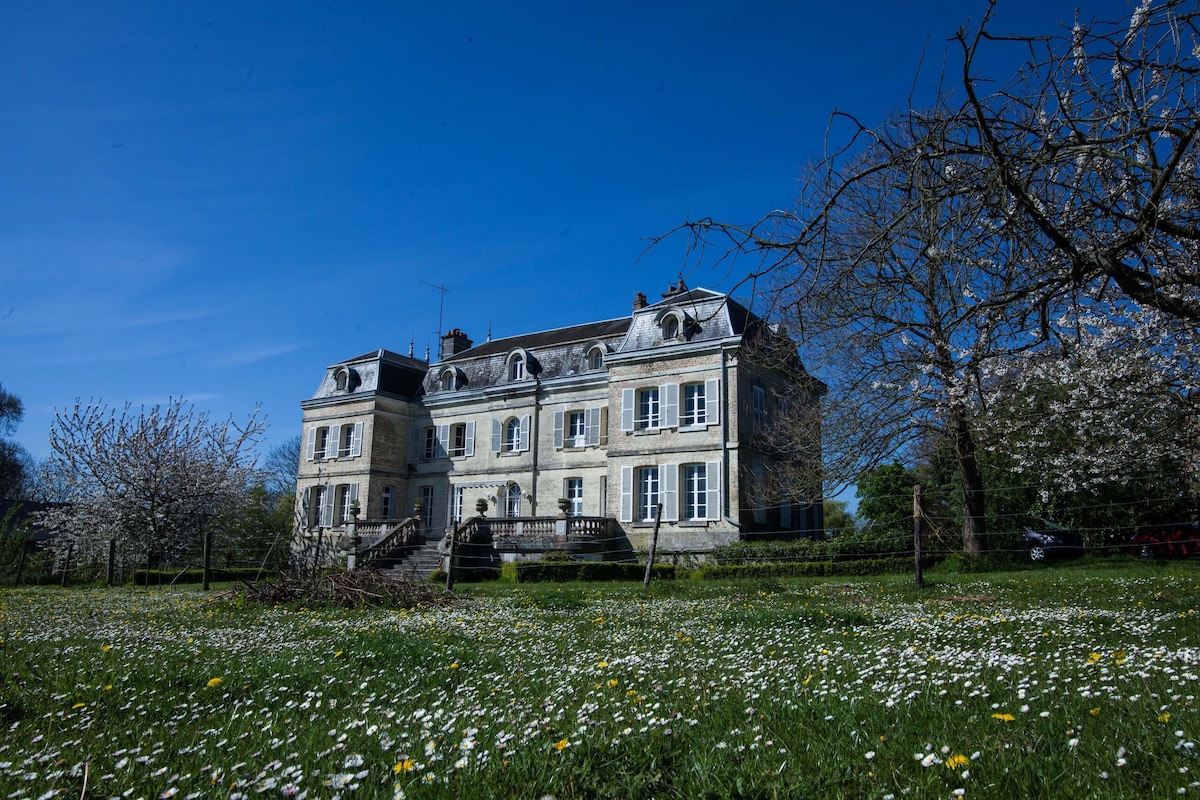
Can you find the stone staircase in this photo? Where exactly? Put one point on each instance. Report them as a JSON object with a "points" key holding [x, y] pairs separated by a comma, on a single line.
{"points": [[414, 563]]}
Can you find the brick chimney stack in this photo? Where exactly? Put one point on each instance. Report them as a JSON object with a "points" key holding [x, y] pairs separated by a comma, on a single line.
{"points": [[454, 342], [639, 301]]}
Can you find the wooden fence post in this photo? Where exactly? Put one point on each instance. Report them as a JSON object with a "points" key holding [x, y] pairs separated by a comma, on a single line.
{"points": [[653, 545], [917, 533]]}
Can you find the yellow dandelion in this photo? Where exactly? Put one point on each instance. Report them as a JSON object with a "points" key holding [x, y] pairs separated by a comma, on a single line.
{"points": [[78, 705], [106, 647], [338, 654], [957, 760], [214, 682], [1164, 717], [403, 766], [1005, 717], [612, 682], [602, 664], [561, 744], [1095, 712], [454, 665]]}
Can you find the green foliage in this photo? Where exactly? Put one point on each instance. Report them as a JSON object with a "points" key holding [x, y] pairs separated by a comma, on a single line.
{"points": [[804, 569], [550, 572]]}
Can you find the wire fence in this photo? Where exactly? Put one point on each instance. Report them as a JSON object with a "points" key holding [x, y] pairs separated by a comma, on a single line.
{"points": [[1153, 525]]}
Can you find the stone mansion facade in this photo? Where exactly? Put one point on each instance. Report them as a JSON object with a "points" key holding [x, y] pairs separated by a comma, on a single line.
{"points": [[603, 419]]}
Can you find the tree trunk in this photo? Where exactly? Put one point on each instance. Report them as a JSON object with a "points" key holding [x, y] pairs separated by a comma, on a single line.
{"points": [[971, 481]]}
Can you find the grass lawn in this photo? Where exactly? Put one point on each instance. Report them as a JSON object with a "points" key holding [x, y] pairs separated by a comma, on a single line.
{"points": [[1077, 680]]}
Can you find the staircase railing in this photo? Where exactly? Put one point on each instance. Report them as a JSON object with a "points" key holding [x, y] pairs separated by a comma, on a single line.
{"points": [[378, 540]]}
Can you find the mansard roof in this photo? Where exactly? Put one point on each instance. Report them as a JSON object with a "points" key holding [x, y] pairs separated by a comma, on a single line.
{"points": [[557, 337], [376, 371]]}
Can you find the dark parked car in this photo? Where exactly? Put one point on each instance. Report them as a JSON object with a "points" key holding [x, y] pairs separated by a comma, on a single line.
{"points": [[1048, 540], [1177, 540]]}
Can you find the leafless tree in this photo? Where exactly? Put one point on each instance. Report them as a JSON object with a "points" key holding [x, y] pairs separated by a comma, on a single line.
{"points": [[1092, 147], [280, 466], [151, 479], [927, 247]]}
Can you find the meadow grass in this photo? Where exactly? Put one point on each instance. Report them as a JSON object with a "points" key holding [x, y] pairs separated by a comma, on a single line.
{"points": [[1072, 681]]}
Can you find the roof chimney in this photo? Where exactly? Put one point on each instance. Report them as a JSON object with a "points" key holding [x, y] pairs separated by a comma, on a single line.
{"points": [[454, 342], [639, 301], [675, 289]]}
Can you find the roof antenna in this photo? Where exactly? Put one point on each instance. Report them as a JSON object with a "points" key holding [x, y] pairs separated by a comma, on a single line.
{"points": [[441, 303], [489, 331]]}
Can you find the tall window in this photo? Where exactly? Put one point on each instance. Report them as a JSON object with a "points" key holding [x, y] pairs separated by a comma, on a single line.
{"points": [[387, 503], [429, 447], [458, 440], [324, 450], [670, 328], [647, 408], [318, 502], [595, 359], [446, 383], [456, 503], [695, 492], [512, 501], [573, 491], [516, 368], [576, 429], [694, 411], [512, 435], [759, 403], [427, 506], [647, 493], [345, 499]]}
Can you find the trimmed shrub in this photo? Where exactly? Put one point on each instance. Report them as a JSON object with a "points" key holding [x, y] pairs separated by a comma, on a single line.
{"points": [[542, 572], [804, 569]]}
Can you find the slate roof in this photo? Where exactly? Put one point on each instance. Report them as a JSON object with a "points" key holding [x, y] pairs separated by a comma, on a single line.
{"points": [[587, 332]]}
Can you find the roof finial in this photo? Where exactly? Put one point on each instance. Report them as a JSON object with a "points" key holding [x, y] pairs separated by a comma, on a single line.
{"points": [[410, 346]]}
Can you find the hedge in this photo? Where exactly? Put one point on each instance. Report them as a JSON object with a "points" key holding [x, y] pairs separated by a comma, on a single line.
{"points": [[557, 572], [804, 569]]}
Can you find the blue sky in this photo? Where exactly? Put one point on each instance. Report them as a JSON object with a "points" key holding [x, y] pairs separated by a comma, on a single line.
{"points": [[217, 200]]}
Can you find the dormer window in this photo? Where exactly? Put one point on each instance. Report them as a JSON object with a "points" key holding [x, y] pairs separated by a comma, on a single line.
{"points": [[594, 361], [446, 382], [345, 379], [520, 364], [670, 328]]}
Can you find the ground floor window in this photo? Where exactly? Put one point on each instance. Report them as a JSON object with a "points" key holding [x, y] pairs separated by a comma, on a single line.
{"points": [[646, 480], [573, 491], [512, 501]]}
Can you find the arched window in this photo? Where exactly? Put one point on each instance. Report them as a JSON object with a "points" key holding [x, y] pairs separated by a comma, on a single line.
{"points": [[512, 501], [512, 435], [446, 383], [516, 367], [595, 359], [670, 328]]}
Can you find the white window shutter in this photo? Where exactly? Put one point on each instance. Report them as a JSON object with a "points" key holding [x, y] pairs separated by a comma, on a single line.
{"points": [[443, 436], [558, 430], [712, 483], [524, 443], [626, 494], [418, 443], [470, 451], [628, 398], [497, 434], [356, 437], [591, 426], [311, 451], [668, 395], [712, 401], [668, 476], [327, 506], [353, 496]]}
